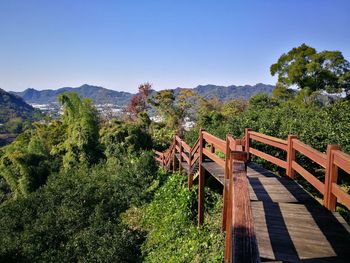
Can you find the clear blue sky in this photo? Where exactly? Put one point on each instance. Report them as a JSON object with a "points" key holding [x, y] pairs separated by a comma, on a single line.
{"points": [[120, 44]]}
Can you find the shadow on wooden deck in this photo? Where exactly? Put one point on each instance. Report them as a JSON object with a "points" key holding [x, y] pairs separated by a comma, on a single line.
{"points": [[291, 226]]}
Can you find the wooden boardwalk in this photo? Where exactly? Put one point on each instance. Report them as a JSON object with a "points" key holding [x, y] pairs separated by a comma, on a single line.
{"points": [[265, 217], [290, 225]]}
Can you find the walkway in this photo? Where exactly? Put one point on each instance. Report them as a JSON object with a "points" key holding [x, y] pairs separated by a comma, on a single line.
{"points": [[268, 218], [290, 225]]}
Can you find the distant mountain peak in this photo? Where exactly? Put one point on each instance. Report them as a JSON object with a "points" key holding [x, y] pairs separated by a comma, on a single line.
{"points": [[102, 95], [99, 94], [13, 106]]}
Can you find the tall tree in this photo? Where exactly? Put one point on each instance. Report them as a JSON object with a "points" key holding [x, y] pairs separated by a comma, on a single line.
{"points": [[173, 109], [81, 120], [138, 102], [306, 68]]}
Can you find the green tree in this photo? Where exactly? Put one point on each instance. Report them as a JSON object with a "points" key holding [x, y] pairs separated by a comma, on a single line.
{"points": [[234, 108], [26, 163], [304, 67], [173, 109], [138, 103], [75, 217], [261, 100], [81, 121], [119, 138]]}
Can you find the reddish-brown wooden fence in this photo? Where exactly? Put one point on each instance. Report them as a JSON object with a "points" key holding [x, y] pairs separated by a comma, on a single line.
{"points": [[237, 220]]}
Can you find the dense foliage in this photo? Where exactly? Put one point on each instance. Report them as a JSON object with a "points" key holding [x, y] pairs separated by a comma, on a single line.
{"points": [[170, 221], [81, 189], [66, 184], [63, 187], [75, 216], [312, 71], [99, 95], [15, 114], [313, 124], [82, 130]]}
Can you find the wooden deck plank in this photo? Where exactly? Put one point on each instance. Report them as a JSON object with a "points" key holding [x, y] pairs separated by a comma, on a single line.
{"points": [[291, 226], [275, 189], [215, 170], [293, 233], [183, 164]]}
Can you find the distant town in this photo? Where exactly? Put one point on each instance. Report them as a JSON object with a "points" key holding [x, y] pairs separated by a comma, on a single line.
{"points": [[54, 109]]}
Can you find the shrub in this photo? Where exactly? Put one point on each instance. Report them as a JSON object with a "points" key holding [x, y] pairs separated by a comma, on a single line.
{"points": [[170, 220], [75, 217]]}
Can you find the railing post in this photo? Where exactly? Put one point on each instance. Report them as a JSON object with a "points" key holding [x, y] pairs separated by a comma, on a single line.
{"points": [[163, 160], [247, 141], [189, 172], [290, 156], [180, 158], [174, 155], [226, 182], [201, 182], [229, 213], [212, 148], [329, 199]]}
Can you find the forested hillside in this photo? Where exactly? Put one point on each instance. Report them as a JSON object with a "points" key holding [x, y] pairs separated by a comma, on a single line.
{"points": [[70, 190], [15, 113], [86, 189], [102, 95], [99, 95]]}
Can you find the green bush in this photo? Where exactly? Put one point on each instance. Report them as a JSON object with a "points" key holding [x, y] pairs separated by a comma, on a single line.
{"points": [[75, 216], [314, 124], [170, 220], [119, 138]]}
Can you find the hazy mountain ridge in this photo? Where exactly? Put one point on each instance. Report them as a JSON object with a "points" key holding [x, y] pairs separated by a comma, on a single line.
{"points": [[224, 93], [12, 106], [102, 95], [99, 94]]}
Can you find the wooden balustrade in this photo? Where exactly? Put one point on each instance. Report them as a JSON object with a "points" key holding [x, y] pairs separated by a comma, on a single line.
{"points": [[330, 161], [211, 139], [240, 243], [336, 159], [214, 157], [269, 140]]}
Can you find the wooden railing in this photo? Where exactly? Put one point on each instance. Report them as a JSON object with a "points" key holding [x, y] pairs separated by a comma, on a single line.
{"points": [[240, 241], [237, 221], [330, 161]]}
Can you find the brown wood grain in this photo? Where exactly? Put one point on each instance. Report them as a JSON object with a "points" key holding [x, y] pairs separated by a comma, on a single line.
{"points": [[264, 213]]}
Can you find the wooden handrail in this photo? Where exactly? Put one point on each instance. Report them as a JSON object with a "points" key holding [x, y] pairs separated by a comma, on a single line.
{"points": [[314, 155], [194, 159], [337, 159], [342, 160], [185, 157], [268, 157], [186, 147], [308, 177], [158, 153], [331, 162], [237, 217], [178, 139], [211, 139], [214, 157], [195, 147], [241, 245], [266, 139]]}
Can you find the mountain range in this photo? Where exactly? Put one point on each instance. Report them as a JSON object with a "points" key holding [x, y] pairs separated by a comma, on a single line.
{"points": [[99, 95], [12, 107], [102, 95]]}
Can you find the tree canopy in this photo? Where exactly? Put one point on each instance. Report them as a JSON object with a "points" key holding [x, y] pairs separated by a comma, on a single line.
{"points": [[306, 68], [81, 120]]}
